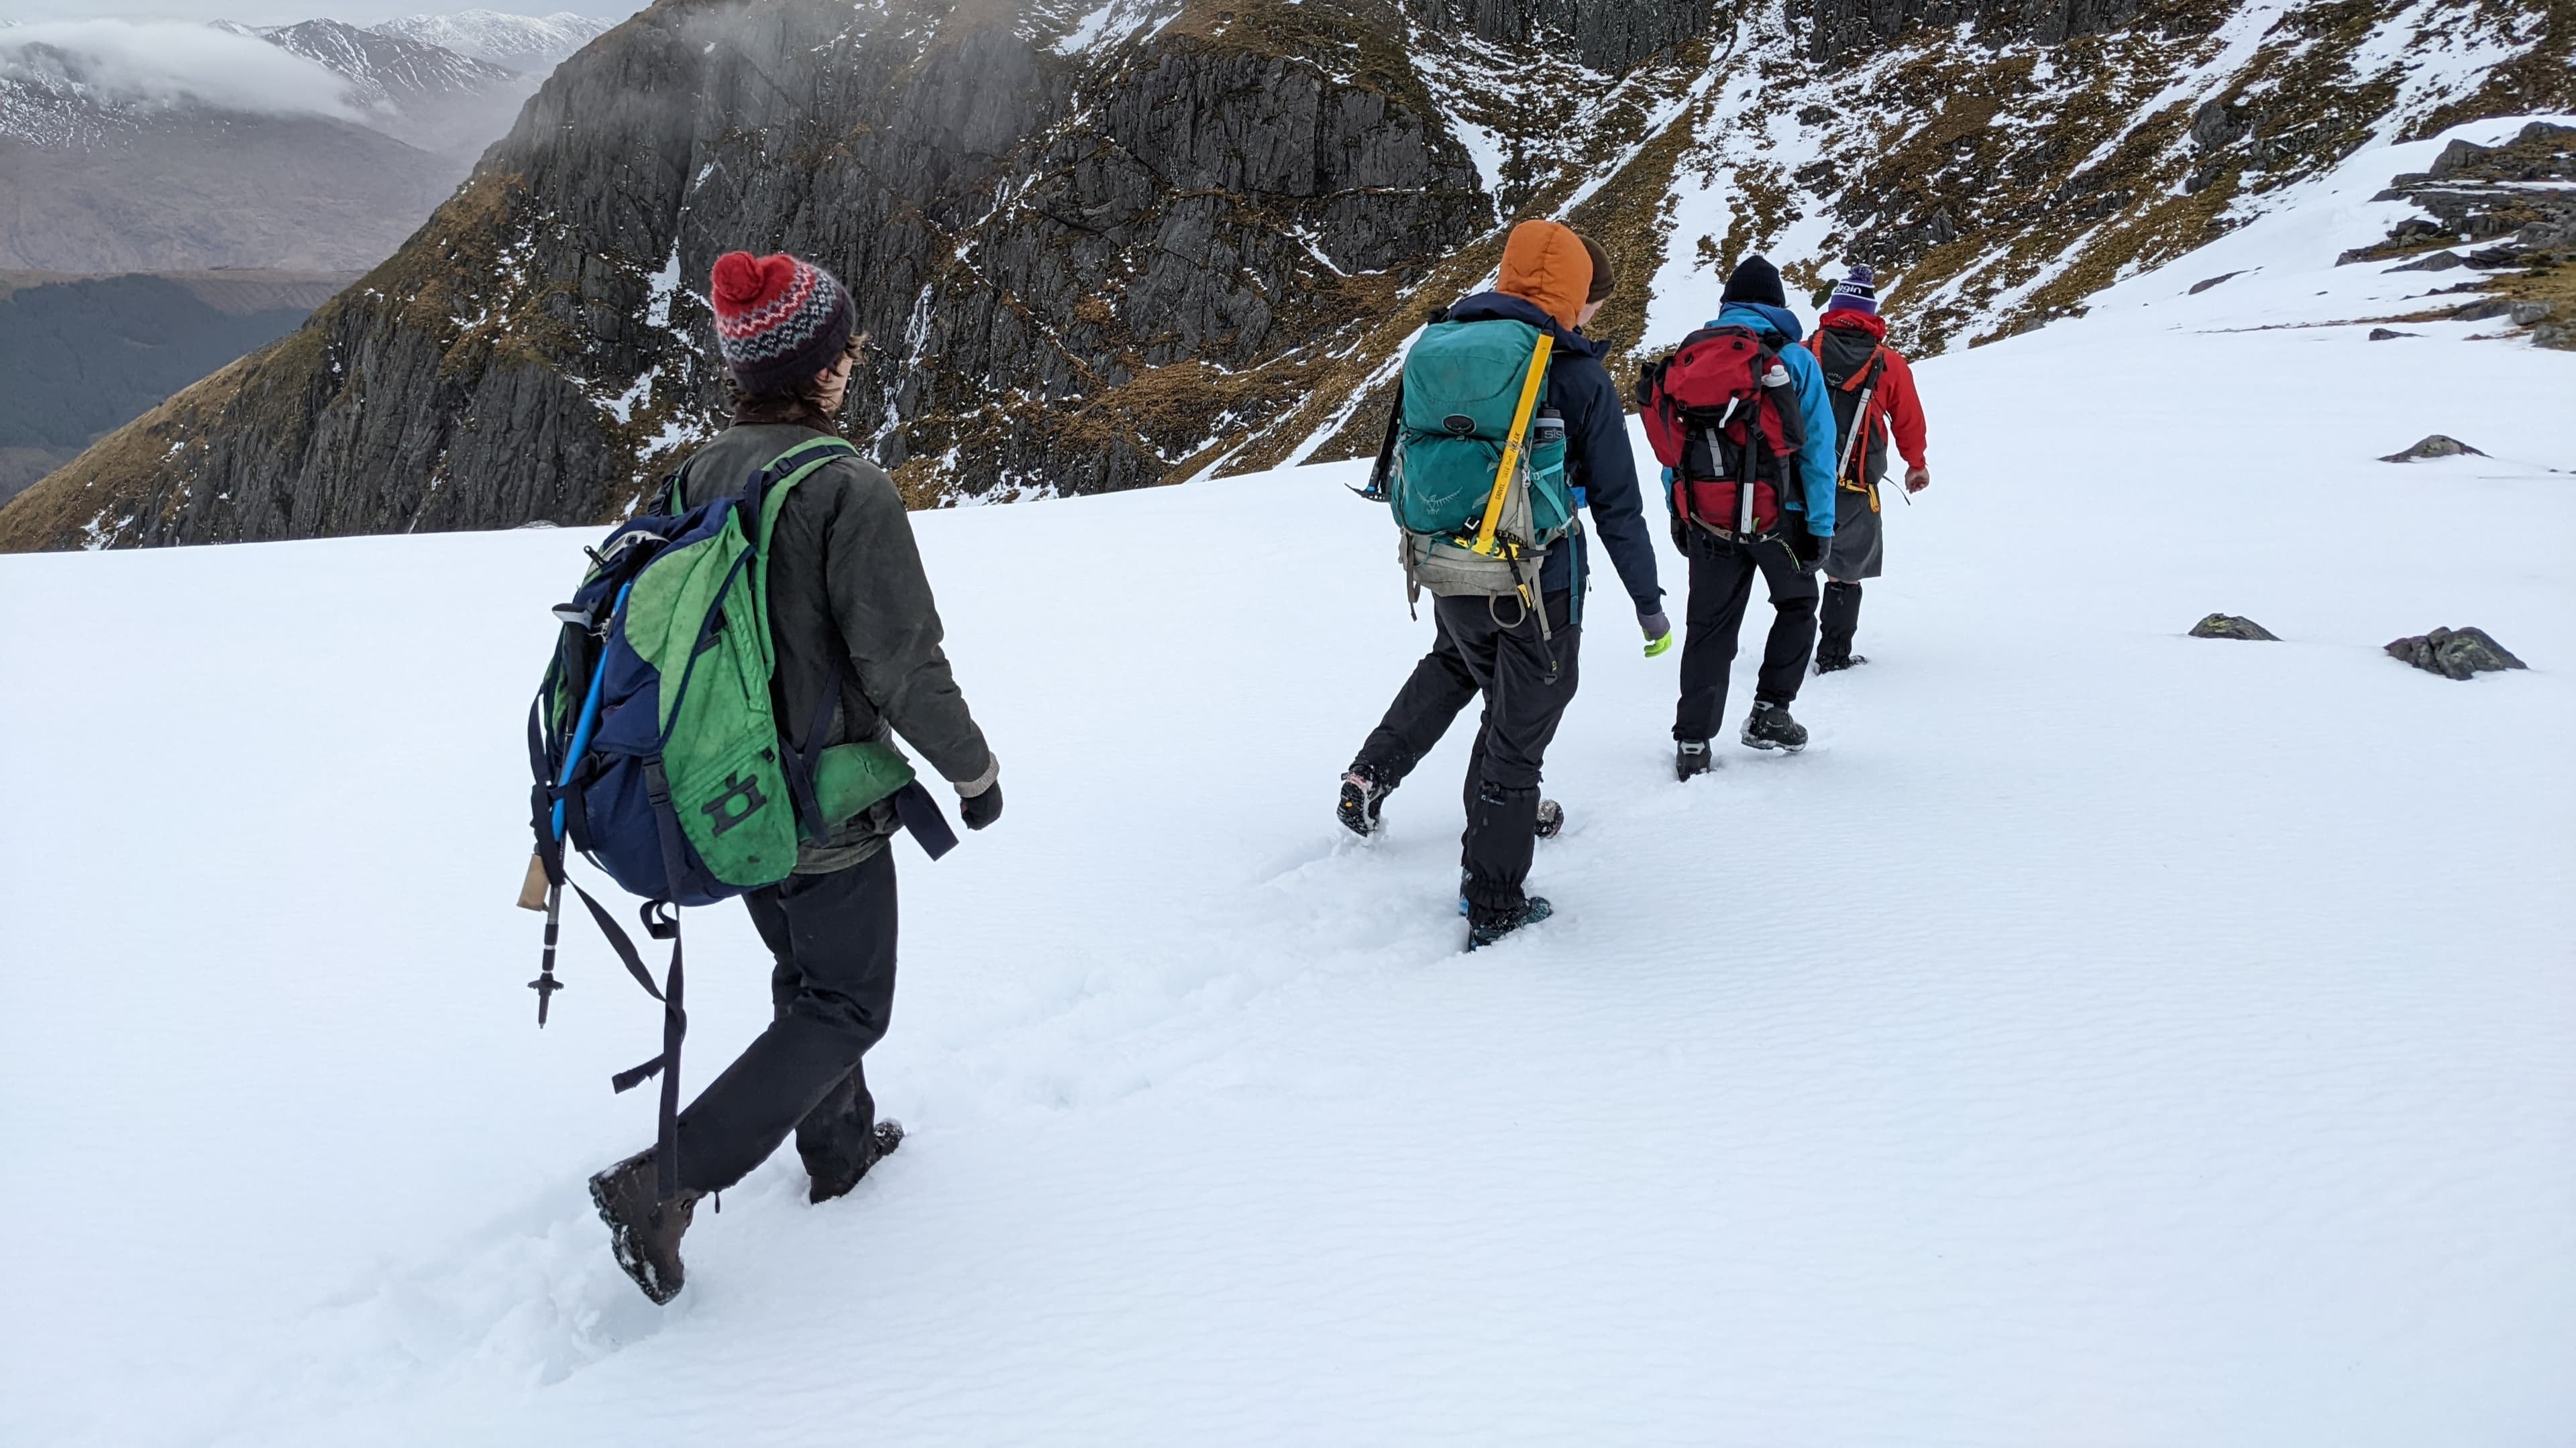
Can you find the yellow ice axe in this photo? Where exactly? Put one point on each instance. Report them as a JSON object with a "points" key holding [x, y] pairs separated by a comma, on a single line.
{"points": [[1512, 444]]}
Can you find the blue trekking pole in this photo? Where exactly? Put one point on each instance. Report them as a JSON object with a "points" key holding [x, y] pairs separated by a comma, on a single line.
{"points": [[545, 985]]}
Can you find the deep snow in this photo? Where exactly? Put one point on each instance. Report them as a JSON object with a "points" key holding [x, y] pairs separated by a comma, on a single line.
{"points": [[2098, 1036]]}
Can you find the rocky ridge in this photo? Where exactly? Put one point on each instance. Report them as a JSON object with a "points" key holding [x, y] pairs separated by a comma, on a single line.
{"points": [[528, 44], [2506, 216], [1114, 245], [425, 94], [333, 176]]}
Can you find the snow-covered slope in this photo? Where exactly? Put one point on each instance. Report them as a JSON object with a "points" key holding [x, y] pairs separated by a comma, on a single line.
{"points": [[173, 146], [2098, 1036], [386, 69], [527, 43]]}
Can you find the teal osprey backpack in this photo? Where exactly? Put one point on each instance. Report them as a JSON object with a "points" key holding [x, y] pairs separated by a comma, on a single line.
{"points": [[1475, 469]]}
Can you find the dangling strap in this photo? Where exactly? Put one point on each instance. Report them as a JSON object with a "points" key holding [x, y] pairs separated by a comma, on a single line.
{"points": [[805, 760], [920, 814], [661, 922]]}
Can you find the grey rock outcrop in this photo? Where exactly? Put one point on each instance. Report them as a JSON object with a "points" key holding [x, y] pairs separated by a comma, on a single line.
{"points": [[2233, 626], [2454, 653], [1102, 247], [1611, 35], [2436, 445]]}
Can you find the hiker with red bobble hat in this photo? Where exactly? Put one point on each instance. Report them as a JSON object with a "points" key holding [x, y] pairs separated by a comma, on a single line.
{"points": [[857, 641], [1874, 397]]}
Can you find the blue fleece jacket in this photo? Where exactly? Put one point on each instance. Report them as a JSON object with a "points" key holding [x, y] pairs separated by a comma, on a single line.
{"points": [[1815, 406], [1597, 458]]}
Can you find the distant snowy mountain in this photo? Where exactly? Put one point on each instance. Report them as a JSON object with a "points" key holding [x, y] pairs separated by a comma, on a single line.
{"points": [[530, 44], [315, 145], [419, 92], [385, 69]]}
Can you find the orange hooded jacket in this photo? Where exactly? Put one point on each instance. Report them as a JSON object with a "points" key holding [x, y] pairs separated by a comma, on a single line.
{"points": [[1544, 263]]}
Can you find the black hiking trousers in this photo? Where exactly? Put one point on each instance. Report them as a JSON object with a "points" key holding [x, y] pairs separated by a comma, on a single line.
{"points": [[1721, 584], [1526, 682], [1837, 621], [831, 994]]}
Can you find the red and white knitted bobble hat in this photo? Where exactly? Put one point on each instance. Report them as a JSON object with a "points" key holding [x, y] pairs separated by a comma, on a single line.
{"points": [[778, 320]]}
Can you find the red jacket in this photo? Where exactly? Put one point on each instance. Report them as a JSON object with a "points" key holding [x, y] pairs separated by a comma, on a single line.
{"points": [[1894, 405]]}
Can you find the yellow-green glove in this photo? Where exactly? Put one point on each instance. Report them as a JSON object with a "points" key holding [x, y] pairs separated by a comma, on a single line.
{"points": [[1659, 633]]}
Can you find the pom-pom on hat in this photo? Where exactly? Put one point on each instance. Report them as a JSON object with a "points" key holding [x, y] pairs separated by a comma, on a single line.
{"points": [[778, 320], [1857, 292]]}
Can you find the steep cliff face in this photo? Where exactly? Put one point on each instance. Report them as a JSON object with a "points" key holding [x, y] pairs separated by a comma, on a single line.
{"points": [[1081, 264], [1102, 246]]}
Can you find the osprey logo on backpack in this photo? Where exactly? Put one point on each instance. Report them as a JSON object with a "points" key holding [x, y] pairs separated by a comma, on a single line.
{"points": [[1717, 413]]}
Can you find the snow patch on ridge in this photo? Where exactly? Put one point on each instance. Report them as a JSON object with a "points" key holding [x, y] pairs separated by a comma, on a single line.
{"points": [[1113, 24]]}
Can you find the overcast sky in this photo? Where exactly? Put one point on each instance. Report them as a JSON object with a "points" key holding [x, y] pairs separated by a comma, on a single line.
{"points": [[287, 12]]}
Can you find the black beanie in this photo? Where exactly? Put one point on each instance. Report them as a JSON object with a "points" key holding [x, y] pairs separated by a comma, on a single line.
{"points": [[1605, 278], [1755, 280]]}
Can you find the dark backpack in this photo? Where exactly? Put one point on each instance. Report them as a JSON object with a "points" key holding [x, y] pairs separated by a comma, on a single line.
{"points": [[1720, 413], [1851, 382]]}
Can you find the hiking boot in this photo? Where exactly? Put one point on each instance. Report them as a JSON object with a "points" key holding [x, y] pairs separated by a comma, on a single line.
{"points": [[1362, 798], [1690, 757], [644, 1234], [830, 1179], [1484, 927], [1770, 727], [1836, 663], [1551, 819]]}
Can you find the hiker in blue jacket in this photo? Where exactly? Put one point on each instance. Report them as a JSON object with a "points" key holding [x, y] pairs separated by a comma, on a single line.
{"points": [[1555, 280], [1722, 568]]}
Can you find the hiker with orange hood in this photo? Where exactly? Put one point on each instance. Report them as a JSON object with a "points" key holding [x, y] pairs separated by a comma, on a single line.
{"points": [[1513, 644]]}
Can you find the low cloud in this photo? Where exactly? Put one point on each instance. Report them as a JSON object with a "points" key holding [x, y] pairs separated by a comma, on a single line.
{"points": [[172, 62]]}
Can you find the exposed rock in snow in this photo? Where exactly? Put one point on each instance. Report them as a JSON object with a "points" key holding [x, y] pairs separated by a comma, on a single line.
{"points": [[2437, 445], [2233, 626], [2454, 653]]}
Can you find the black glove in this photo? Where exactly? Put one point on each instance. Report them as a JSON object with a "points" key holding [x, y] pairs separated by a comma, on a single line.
{"points": [[982, 807], [1809, 549]]}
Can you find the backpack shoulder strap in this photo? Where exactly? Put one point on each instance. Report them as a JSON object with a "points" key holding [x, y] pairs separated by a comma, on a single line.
{"points": [[768, 488]]}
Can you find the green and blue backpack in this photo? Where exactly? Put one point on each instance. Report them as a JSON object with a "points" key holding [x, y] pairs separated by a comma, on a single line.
{"points": [[656, 750]]}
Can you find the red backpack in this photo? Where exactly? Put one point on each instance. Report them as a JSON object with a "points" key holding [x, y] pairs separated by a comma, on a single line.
{"points": [[1719, 412]]}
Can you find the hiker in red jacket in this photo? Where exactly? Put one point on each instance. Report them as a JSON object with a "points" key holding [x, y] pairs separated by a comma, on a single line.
{"points": [[1863, 372]]}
